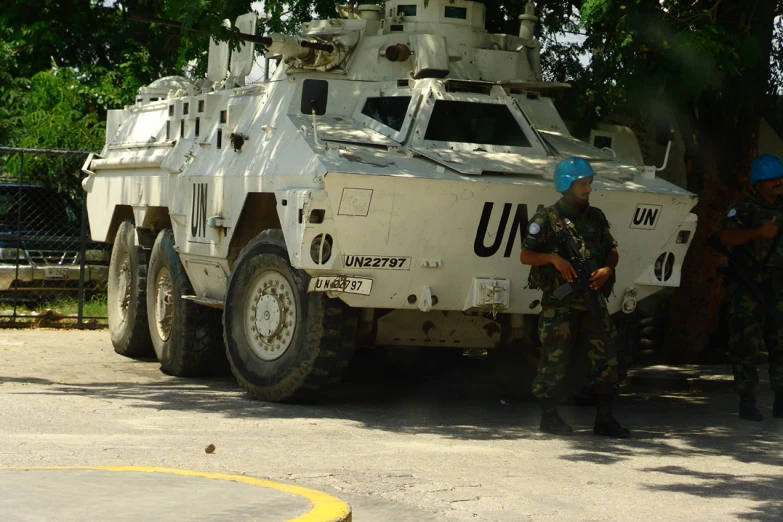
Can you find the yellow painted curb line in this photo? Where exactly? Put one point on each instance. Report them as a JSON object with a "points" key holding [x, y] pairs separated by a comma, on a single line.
{"points": [[326, 508]]}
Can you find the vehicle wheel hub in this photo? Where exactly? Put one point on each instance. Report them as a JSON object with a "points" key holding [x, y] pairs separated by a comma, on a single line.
{"points": [[123, 286], [163, 303], [270, 317]]}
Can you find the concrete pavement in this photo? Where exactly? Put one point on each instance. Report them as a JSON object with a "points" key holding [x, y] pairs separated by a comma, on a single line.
{"points": [[129, 493], [688, 378], [434, 446]]}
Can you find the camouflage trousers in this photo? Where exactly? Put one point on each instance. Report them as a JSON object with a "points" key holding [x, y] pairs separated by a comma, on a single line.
{"points": [[564, 328], [752, 329]]}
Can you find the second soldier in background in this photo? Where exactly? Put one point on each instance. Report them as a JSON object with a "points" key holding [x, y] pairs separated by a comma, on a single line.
{"points": [[752, 231]]}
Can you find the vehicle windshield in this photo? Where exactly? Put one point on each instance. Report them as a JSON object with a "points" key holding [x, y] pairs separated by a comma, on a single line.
{"points": [[480, 123]]}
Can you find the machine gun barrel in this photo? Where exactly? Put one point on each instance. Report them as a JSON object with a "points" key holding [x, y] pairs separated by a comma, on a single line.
{"points": [[271, 42]]}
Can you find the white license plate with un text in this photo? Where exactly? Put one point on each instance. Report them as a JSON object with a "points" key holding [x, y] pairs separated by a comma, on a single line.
{"points": [[347, 284]]}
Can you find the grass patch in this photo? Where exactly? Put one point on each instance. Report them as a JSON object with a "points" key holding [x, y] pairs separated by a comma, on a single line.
{"points": [[58, 307], [93, 307]]}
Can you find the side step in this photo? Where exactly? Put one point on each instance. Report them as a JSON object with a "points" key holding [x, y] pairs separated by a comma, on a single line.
{"points": [[212, 303]]}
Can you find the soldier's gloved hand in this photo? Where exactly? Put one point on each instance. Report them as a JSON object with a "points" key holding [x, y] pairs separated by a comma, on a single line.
{"points": [[768, 230], [600, 277], [567, 271]]}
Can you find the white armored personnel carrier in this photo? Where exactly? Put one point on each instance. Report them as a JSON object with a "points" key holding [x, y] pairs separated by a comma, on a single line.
{"points": [[375, 190]]}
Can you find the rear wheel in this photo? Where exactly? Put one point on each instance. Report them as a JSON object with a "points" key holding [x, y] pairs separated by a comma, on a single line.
{"points": [[186, 336], [127, 305], [283, 343]]}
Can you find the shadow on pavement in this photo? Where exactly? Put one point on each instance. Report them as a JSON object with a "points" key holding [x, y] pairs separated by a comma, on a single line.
{"points": [[464, 400]]}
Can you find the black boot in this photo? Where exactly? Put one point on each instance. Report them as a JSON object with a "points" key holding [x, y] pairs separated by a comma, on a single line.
{"points": [[605, 423], [551, 422], [747, 407], [777, 408]]}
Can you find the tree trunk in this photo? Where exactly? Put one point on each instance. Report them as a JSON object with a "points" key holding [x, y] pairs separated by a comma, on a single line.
{"points": [[697, 304], [721, 133]]}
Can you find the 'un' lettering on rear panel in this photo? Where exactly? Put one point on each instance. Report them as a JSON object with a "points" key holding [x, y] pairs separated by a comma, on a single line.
{"points": [[646, 216]]}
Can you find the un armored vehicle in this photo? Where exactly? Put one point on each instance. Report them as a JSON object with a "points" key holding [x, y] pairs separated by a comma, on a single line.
{"points": [[375, 190]]}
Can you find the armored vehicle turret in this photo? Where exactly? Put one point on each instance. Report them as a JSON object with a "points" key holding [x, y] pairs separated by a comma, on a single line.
{"points": [[375, 190]]}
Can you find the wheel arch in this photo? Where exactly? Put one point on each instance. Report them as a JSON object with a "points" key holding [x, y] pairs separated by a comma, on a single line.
{"points": [[120, 214], [259, 213], [156, 219], [148, 221]]}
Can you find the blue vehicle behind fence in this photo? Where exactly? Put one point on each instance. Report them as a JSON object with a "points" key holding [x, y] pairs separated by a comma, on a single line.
{"points": [[40, 245]]}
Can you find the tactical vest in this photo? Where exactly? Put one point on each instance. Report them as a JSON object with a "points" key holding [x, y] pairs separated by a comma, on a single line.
{"points": [[546, 277], [753, 254]]}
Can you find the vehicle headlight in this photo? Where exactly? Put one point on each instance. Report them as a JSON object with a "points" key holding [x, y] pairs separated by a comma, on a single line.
{"points": [[321, 248], [12, 253]]}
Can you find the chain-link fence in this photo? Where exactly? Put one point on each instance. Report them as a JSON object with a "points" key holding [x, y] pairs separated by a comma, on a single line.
{"points": [[51, 273]]}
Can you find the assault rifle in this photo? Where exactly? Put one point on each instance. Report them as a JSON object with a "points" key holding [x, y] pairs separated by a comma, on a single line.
{"points": [[570, 252], [738, 273]]}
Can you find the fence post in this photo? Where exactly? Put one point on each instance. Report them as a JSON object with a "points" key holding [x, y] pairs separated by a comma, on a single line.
{"points": [[18, 233], [82, 253]]}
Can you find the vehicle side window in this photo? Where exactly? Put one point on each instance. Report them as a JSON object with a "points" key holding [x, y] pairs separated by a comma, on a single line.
{"points": [[315, 94], [388, 110]]}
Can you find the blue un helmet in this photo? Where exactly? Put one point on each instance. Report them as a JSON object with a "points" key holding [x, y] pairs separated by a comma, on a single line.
{"points": [[570, 170], [766, 166]]}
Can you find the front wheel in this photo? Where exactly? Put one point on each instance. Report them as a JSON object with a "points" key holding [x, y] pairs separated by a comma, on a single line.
{"points": [[283, 343]]}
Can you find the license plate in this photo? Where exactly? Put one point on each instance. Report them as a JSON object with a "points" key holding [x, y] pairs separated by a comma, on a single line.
{"points": [[55, 273], [346, 284], [377, 262]]}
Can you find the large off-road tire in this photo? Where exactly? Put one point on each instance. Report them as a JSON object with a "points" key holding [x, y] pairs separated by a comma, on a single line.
{"points": [[187, 337], [283, 343], [653, 316], [127, 303]]}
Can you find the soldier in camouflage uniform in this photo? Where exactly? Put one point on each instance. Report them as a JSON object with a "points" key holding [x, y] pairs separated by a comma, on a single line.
{"points": [[566, 323], [751, 230]]}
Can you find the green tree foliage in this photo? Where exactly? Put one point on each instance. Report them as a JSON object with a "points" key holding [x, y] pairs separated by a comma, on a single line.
{"points": [[86, 35], [58, 111], [62, 66], [76, 41]]}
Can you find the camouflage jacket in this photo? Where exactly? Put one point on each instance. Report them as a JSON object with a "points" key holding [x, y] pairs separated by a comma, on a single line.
{"points": [[590, 230], [752, 211]]}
